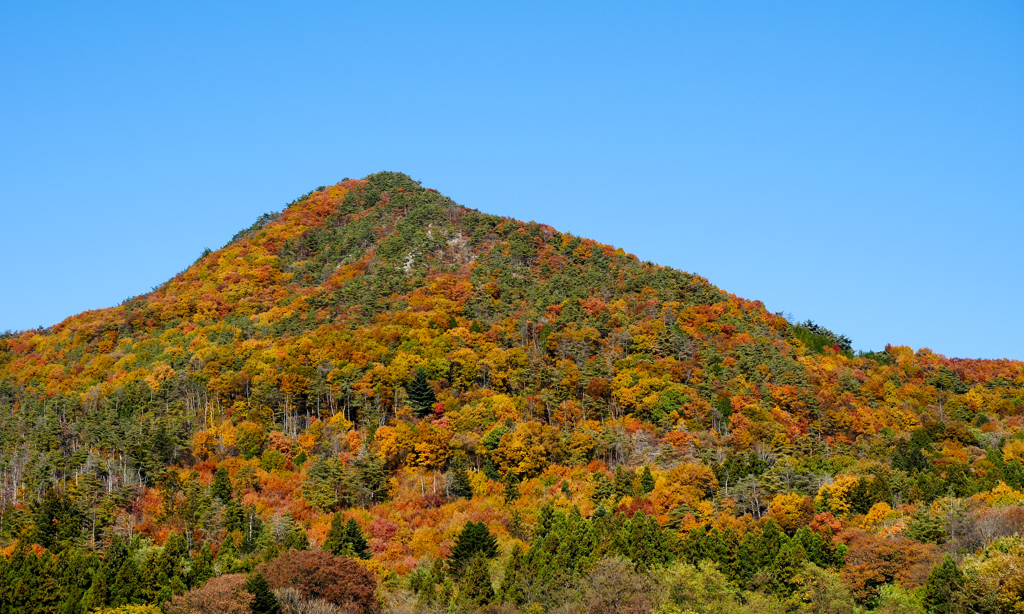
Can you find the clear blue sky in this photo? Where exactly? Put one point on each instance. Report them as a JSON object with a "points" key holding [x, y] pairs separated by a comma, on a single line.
{"points": [[860, 164]]}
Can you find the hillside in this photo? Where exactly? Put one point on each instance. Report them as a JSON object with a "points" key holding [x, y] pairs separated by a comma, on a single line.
{"points": [[377, 351]]}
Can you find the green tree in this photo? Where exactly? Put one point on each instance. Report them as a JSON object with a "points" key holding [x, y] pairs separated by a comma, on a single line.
{"points": [[335, 541], [944, 584], [475, 539], [421, 394], [263, 599], [475, 586], [356, 540], [647, 480], [221, 488]]}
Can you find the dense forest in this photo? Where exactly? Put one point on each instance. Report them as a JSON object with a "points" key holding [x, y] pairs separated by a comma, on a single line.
{"points": [[378, 400]]}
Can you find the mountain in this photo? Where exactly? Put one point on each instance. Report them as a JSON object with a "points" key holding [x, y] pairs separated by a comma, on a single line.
{"points": [[377, 350]]}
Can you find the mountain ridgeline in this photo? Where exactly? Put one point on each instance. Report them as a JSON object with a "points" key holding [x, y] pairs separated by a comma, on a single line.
{"points": [[447, 407]]}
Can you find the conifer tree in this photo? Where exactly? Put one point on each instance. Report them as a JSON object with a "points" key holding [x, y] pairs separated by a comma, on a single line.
{"points": [[474, 539], [202, 566], [461, 486], [221, 487], [475, 586], [647, 480], [335, 542], [263, 599], [623, 483], [421, 394], [944, 583], [356, 540]]}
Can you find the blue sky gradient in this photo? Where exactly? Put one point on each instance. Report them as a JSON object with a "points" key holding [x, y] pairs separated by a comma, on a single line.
{"points": [[860, 164]]}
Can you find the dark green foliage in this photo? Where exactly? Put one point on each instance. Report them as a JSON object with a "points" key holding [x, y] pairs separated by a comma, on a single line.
{"points": [[924, 526], [221, 487], [335, 541], [474, 540], [817, 338], [58, 521], [421, 394], [944, 583], [475, 586], [647, 480], [355, 539], [263, 599], [603, 488], [346, 538]]}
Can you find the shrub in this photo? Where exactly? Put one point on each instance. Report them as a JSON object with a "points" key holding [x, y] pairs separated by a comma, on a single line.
{"points": [[225, 595], [320, 575]]}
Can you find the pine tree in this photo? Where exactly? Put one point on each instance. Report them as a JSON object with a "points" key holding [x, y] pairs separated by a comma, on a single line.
{"points": [[647, 480], [263, 599], [335, 542], [474, 539], [202, 566], [475, 586], [461, 486], [296, 539], [421, 394], [234, 516], [221, 488], [944, 583], [603, 488], [623, 482], [372, 476], [356, 540]]}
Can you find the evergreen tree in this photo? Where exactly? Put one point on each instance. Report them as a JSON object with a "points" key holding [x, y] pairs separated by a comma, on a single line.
{"points": [[372, 476], [647, 480], [202, 566], [263, 599], [234, 516], [944, 583], [512, 588], [58, 521], [603, 488], [296, 539], [475, 586], [474, 539], [221, 488], [461, 486], [623, 482], [421, 394], [335, 542], [356, 540], [924, 526]]}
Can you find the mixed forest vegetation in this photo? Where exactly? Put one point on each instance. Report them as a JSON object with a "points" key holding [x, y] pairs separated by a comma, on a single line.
{"points": [[378, 400]]}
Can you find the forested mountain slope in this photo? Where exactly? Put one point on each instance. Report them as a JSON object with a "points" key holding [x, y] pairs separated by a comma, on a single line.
{"points": [[377, 351]]}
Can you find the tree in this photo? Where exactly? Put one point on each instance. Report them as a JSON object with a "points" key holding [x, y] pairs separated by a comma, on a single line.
{"points": [[647, 480], [355, 539], [461, 485], [475, 586], [58, 521], [225, 594], [263, 599], [221, 487], [421, 394], [320, 575], [944, 584], [335, 542], [475, 539]]}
